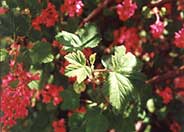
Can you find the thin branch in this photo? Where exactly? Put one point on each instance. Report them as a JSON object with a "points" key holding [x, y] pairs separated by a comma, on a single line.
{"points": [[102, 70], [160, 3], [96, 11], [168, 75]]}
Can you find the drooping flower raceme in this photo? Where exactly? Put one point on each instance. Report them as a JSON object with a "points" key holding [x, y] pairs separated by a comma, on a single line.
{"points": [[179, 85], [175, 127], [124, 36], [72, 7], [179, 38], [3, 10], [166, 95], [48, 17], [15, 95], [157, 29], [51, 92], [126, 9], [59, 126], [180, 5]]}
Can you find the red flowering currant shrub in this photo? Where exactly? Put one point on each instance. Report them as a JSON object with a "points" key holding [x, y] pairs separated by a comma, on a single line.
{"points": [[91, 65]]}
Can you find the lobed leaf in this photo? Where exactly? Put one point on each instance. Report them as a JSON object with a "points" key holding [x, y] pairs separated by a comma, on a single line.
{"points": [[77, 67]]}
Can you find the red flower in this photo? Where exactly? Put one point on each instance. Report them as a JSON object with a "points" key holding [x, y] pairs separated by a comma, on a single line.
{"points": [[180, 5], [179, 38], [179, 84], [36, 23], [15, 49], [72, 7], [48, 17], [3, 10], [15, 95], [60, 47], [59, 126], [87, 52], [166, 95], [52, 92], [175, 127], [80, 110], [157, 29], [125, 35], [126, 9]]}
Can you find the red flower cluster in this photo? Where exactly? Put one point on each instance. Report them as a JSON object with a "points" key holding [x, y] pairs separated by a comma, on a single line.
{"points": [[15, 49], [59, 126], [56, 44], [3, 10], [180, 5], [87, 52], [81, 110], [72, 7], [126, 9], [157, 29], [48, 17], [166, 95], [179, 84], [125, 35], [15, 95], [175, 127], [52, 92], [179, 38], [62, 69]]}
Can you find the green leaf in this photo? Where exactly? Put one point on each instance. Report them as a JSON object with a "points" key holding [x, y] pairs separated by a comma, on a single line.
{"points": [[34, 84], [41, 53], [3, 54], [77, 67], [92, 59], [76, 58], [124, 70], [122, 62], [96, 121], [79, 87], [13, 24], [71, 100], [120, 89], [14, 83], [48, 59], [150, 105], [76, 122], [89, 36], [70, 41]]}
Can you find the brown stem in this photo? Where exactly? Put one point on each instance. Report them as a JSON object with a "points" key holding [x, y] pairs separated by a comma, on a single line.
{"points": [[159, 4], [168, 75], [96, 11]]}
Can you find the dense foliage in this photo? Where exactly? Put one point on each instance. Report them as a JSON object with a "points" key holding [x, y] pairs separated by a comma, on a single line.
{"points": [[92, 65]]}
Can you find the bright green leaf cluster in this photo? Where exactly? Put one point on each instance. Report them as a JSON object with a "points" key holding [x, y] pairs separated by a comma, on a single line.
{"points": [[121, 65], [77, 67], [41, 53], [87, 37]]}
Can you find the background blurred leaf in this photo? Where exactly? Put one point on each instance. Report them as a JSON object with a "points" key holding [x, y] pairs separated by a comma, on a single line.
{"points": [[70, 100]]}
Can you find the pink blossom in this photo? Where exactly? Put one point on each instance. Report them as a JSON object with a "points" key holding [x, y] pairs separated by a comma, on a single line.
{"points": [[59, 126], [124, 36], [179, 38], [72, 7], [52, 93], [157, 29], [126, 9], [166, 95]]}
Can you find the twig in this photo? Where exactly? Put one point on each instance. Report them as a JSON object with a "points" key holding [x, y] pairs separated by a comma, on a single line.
{"points": [[168, 75], [96, 11], [160, 3]]}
